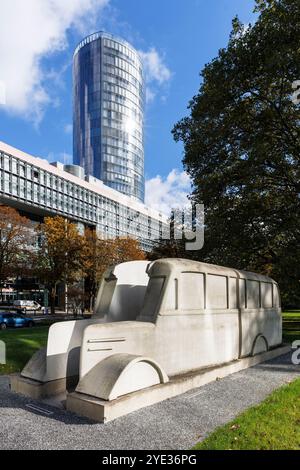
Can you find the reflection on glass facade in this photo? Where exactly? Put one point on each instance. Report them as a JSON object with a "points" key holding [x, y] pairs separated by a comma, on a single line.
{"points": [[108, 101]]}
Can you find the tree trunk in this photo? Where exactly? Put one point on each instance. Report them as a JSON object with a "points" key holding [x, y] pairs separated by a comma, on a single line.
{"points": [[1, 284], [91, 303], [52, 299]]}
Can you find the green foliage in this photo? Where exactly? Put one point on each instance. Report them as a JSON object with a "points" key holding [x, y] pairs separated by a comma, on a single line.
{"points": [[242, 148], [291, 326]]}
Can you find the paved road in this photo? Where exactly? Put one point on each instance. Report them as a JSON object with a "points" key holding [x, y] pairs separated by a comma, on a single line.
{"points": [[177, 423]]}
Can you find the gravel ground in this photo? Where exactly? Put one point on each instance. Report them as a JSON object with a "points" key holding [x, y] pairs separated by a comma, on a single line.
{"points": [[177, 423]]}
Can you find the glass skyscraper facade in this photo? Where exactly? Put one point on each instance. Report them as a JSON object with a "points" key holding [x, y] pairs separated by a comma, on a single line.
{"points": [[108, 113]]}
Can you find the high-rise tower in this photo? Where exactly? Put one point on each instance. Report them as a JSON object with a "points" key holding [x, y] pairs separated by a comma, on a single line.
{"points": [[108, 112]]}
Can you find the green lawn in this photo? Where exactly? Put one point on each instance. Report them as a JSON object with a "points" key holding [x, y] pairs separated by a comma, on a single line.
{"points": [[20, 346], [291, 313], [291, 326], [273, 424]]}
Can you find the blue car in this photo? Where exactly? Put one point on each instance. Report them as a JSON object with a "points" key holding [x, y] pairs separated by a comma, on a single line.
{"points": [[17, 320]]}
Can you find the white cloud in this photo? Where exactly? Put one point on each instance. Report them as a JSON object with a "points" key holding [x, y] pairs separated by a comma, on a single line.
{"points": [[165, 194], [68, 128], [154, 66], [156, 72], [30, 31], [2, 93], [150, 95]]}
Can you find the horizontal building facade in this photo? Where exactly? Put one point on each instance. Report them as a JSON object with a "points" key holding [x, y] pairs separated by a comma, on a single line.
{"points": [[38, 188]]}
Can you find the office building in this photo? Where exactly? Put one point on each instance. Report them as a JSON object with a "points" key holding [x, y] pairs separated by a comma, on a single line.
{"points": [[38, 189], [108, 113]]}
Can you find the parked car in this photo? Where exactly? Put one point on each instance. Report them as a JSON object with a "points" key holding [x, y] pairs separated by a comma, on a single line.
{"points": [[6, 303], [27, 304], [16, 320]]}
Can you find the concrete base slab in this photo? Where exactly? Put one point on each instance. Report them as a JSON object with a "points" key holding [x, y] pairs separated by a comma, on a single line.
{"points": [[104, 411], [58, 401], [37, 390]]}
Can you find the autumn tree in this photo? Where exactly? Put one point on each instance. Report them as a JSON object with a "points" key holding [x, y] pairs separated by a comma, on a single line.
{"points": [[242, 147], [60, 257], [15, 243], [127, 249], [98, 256], [101, 253]]}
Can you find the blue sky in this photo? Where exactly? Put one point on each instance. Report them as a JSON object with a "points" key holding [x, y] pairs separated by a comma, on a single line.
{"points": [[177, 38]]}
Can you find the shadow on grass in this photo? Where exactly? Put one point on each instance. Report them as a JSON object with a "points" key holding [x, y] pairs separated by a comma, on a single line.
{"points": [[291, 335], [21, 344]]}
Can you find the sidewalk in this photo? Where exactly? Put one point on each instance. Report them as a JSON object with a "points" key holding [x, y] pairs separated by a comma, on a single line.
{"points": [[177, 423]]}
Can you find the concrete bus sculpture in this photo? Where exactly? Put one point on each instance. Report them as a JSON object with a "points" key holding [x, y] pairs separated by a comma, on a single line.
{"points": [[160, 329], [55, 369]]}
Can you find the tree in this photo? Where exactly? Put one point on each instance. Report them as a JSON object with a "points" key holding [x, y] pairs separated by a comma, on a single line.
{"points": [[167, 249], [60, 257], [171, 247], [76, 298], [127, 249], [15, 243], [242, 147], [101, 253]]}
